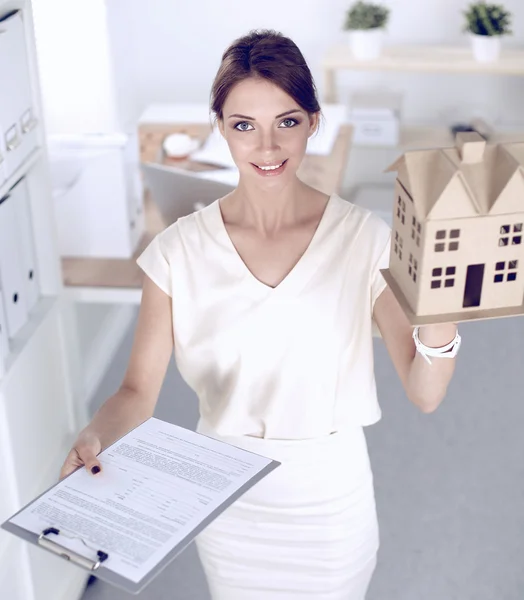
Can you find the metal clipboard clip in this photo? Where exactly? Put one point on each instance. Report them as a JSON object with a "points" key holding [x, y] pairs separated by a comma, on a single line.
{"points": [[69, 554]]}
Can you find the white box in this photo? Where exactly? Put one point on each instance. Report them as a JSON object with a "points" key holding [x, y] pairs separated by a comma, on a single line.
{"points": [[375, 132], [97, 195], [375, 117]]}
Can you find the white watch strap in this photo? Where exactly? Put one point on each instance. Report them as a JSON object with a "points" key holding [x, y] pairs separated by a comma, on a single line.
{"points": [[448, 351]]}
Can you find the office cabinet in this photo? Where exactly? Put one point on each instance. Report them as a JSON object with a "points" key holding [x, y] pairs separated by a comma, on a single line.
{"points": [[39, 392], [16, 105]]}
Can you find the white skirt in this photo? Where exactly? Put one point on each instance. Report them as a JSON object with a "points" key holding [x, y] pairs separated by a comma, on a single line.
{"points": [[307, 530]]}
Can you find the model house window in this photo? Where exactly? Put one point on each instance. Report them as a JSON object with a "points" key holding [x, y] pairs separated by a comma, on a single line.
{"points": [[398, 245], [506, 268], [506, 234], [401, 210], [415, 230], [439, 275], [441, 234], [412, 267]]}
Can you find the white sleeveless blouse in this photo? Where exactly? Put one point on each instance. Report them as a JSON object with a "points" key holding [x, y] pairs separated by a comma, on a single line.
{"points": [[290, 362]]}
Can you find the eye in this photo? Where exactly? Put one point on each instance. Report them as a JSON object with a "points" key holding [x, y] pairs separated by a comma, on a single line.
{"points": [[294, 121], [240, 126], [241, 123]]}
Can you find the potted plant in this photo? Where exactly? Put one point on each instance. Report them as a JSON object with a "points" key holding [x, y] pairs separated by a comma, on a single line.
{"points": [[486, 24], [366, 23]]}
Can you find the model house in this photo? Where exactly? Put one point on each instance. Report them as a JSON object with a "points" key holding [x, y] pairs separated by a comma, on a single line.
{"points": [[457, 247]]}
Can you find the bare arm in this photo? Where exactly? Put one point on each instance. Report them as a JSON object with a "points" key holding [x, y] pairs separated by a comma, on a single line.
{"points": [[135, 400], [425, 384]]}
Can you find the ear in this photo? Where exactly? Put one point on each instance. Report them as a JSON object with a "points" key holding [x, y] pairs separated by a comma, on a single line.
{"points": [[313, 123]]}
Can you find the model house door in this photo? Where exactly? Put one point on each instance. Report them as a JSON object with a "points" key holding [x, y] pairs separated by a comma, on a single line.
{"points": [[473, 287]]}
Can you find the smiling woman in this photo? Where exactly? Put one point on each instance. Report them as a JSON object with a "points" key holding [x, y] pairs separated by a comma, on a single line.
{"points": [[268, 297], [272, 290]]}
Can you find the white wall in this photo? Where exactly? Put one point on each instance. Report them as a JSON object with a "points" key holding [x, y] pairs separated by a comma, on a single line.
{"points": [[76, 73], [178, 46]]}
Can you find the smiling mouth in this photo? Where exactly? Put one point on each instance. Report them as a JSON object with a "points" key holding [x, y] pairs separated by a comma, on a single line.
{"points": [[270, 168]]}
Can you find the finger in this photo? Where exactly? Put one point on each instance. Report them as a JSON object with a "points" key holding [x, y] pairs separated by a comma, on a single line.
{"points": [[88, 457], [71, 463]]}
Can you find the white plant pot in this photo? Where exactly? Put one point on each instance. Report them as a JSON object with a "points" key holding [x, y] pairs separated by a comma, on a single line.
{"points": [[486, 48], [366, 44]]}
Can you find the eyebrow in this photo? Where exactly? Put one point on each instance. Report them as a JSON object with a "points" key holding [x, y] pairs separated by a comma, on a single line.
{"points": [[288, 112]]}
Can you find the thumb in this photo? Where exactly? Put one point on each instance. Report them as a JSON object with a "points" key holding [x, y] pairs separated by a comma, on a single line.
{"points": [[87, 453]]}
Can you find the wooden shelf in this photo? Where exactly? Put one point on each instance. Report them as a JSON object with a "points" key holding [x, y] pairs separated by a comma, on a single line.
{"points": [[111, 279], [433, 59], [421, 58]]}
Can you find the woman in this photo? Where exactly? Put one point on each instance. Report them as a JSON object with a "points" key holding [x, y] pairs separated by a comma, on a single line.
{"points": [[268, 296]]}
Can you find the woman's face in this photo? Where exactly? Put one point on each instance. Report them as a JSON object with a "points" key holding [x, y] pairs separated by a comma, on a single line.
{"points": [[259, 134]]}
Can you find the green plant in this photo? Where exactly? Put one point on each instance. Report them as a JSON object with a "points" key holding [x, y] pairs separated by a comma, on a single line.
{"points": [[364, 15], [487, 19]]}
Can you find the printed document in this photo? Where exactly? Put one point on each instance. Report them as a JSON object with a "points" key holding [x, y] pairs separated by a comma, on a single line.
{"points": [[157, 485]]}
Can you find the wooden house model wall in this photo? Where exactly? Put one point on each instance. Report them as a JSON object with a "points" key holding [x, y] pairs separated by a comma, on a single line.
{"points": [[457, 246]]}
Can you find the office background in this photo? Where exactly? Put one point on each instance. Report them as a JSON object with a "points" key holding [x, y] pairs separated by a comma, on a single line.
{"points": [[449, 485], [172, 50]]}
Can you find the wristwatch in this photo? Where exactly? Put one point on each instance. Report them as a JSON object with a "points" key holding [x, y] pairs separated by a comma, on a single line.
{"points": [[448, 351]]}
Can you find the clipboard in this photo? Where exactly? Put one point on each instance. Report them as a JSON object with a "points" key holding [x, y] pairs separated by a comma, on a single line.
{"points": [[92, 559]]}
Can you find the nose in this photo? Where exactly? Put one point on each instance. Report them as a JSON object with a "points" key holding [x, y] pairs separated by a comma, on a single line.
{"points": [[268, 142]]}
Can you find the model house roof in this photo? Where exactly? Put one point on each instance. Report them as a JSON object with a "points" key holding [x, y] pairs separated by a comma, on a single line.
{"points": [[471, 179]]}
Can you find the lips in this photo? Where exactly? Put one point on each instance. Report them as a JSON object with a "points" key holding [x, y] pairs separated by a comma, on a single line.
{"points": [[271, 165]]}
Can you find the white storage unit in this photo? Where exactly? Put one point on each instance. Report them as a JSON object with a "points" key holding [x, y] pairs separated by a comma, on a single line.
{"points": [[16, 106], [39, 414], [98, 195]]}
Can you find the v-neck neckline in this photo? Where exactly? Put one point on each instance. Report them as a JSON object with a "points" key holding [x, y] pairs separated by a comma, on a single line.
{"points": [[297, 268]]}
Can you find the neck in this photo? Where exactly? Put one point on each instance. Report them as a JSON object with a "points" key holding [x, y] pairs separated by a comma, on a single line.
{"points": [[269, 210]]}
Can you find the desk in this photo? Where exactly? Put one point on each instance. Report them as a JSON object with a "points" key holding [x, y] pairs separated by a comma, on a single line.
{"points": [[120, 280]]}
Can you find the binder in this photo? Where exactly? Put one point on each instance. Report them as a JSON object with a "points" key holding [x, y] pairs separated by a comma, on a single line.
{"points": [[4, 344], [16, 104], [20, 198], [73, 547], [11, 269], [3, 158]]}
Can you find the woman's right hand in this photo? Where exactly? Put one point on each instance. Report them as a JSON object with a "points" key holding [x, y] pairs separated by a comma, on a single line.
{"points": [[83, 454]]}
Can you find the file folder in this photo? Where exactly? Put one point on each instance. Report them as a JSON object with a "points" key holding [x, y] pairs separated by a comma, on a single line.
{"points": [[20, 198], [11, 269], [16, 105], [4, 344], [3, 157]]}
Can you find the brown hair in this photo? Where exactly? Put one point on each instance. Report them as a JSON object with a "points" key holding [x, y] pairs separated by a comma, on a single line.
{"points": [[265, 54]]}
